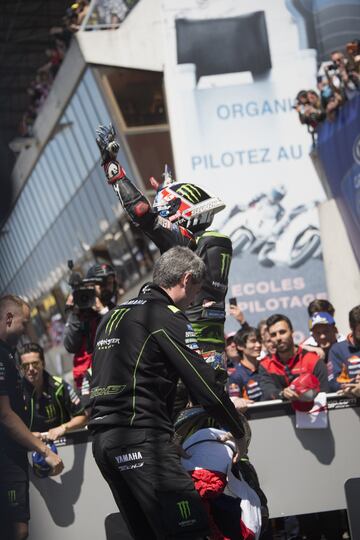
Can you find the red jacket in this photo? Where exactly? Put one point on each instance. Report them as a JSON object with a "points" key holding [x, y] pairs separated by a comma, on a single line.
{"points": [[275, 376], [79, 337]]}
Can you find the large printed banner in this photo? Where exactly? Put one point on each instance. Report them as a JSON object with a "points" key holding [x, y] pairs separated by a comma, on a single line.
{"points": [[232, 73]]}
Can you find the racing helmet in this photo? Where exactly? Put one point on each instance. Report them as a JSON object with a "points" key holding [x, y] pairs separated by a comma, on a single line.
{"points": [[40, 467], [188, 205], [98, 272]]}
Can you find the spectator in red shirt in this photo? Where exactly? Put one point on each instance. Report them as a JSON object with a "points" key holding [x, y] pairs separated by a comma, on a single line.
{"points": [[279, 370]]}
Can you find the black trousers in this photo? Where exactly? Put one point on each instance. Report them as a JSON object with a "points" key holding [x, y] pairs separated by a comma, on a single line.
{"points": [[154, 494]]}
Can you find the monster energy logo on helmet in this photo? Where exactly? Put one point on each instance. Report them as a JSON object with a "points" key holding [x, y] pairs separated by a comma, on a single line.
{"points": [[184, 509], [225, 264], [191, 192], [115, 319]]}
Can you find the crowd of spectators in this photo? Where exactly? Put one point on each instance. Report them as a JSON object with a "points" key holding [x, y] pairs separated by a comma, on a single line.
{"points": [[263, 362], [106, 14], [59, 41], [338, 81]]}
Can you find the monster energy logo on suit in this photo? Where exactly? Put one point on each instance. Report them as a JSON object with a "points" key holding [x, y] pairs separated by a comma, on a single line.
{"points": [[50, 410], [225, 264], [184, 509], [191, 192], [12, 496], [115, 319]]}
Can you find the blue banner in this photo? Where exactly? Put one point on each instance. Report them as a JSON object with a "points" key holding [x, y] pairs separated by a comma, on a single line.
{"points": [[339, 152]]}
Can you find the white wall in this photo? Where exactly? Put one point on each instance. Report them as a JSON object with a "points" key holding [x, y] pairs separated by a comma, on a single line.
{"points": [[138, 43], [341, 268]]}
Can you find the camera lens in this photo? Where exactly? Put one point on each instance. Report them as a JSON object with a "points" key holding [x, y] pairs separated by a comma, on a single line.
{"points": [[84, 297]]}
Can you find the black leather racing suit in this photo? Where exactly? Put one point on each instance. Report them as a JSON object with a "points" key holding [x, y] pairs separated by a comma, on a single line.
{"points": [[207, 313]]}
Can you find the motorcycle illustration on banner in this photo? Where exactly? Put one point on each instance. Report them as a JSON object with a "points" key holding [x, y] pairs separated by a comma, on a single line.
{"points": [[279, 236]]}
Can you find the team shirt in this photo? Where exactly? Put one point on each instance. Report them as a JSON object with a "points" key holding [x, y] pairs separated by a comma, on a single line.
{"points": [[58, 403], [10, 385], [245, 382], [343, 363]]}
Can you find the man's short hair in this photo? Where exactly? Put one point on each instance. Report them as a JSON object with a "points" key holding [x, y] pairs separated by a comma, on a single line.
{"points": [[174, 263], [27, 348], [320, 304], [242, 336], [278, 317], [8, 302], [354, 317]]}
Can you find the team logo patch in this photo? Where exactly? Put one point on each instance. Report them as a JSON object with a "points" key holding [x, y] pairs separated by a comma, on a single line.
{"points": [[131, 460]]}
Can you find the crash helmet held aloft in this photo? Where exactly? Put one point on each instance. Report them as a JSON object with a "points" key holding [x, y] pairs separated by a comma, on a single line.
{"points": [[98, 273], [188, 205]]}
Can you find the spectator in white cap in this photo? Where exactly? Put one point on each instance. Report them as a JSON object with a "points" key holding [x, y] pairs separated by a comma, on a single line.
{"points": [[319, 305], [324, 331]]}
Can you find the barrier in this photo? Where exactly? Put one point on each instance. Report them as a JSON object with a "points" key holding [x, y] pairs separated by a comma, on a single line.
{"points": [[301, 471]]}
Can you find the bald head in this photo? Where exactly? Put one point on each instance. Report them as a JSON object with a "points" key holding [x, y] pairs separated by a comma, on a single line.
{"points": [[14, 316]]}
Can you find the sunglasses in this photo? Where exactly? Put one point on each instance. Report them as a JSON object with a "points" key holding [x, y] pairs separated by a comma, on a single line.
{"points": [[35, 364]]}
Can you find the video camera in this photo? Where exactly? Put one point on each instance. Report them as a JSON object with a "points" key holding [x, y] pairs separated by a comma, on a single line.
{"points": [[83, 296]]}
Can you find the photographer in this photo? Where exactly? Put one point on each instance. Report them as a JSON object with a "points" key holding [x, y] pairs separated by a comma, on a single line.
{"points": [[308, 107], [91, 299]]}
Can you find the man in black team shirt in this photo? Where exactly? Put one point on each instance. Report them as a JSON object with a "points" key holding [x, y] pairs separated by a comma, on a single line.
{"points": [[15, 437], [142, 348]]}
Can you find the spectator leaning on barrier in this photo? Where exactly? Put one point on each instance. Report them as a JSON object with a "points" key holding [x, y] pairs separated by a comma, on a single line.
{"points": [[345, 356], [244, 381], [53, 405], [16, 438], [279, 370], [142, 348], [82, 322]]}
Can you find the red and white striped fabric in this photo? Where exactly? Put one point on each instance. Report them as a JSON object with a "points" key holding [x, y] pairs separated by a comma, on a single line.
{"points": [[210, 464]]}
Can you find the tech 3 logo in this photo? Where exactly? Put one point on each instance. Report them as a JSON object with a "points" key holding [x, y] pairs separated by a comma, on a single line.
{"points": [[190, 191], [115, 319], [184, 509], [225, 265]]}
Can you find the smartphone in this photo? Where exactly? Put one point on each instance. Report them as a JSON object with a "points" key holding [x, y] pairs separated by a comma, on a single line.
{"points": [[233, 301]]}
